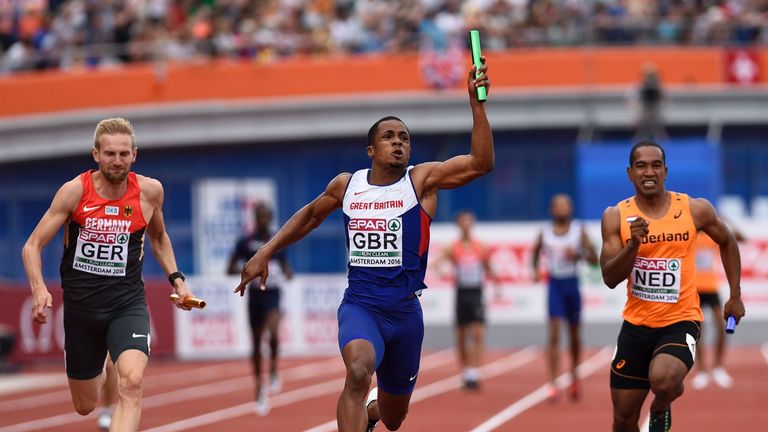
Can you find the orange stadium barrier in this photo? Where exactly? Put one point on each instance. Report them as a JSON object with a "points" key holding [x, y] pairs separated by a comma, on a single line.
{"points": [[536, 67]]}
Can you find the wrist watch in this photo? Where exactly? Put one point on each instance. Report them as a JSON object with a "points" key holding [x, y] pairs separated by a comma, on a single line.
{"points": [[176, 275]]}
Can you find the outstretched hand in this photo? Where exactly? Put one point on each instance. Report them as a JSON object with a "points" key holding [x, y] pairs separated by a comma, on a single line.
{"points": [[257, 266], [481, 80]]}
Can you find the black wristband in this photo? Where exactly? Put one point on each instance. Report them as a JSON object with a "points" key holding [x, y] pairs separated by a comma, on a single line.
{"points": [[176, 275]]}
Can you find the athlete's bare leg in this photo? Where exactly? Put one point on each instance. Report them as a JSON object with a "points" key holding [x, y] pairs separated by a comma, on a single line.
{"points": [[666, 373], [461, 345], [391, 409], [626, 409], [477, 330], [85, 393], [273, 324], [130, 370], [717, 319], [574, 331], [256, 334], [109, 393], [360, 361], [553, 355]]}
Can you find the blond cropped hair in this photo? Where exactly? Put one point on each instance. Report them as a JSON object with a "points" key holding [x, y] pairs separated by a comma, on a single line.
{"points": [[113, 126]]}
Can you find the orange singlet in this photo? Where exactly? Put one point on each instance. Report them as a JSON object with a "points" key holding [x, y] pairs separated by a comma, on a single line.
{"points": [[660, 288], [707, 259]]}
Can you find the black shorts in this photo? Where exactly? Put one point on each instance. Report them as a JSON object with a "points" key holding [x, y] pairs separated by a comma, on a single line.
{"points": [[710, 299], [469, 306], [637, 345], [260, 304], [88, 336]]}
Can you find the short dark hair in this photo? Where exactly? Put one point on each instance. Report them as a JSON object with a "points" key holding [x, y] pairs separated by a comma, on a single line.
{"points": [[646, 144], [375, 127]]}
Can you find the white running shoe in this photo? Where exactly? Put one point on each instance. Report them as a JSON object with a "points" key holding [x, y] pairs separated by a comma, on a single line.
{"points": [[721, 377], [700, 380], [261, 407], [372, 396], [104, 421], [275, 384]]}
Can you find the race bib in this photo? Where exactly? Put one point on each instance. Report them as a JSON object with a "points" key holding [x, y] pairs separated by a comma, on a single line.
{"points": [[656, 279], [469, 274], [101, 253], [376, 242]]}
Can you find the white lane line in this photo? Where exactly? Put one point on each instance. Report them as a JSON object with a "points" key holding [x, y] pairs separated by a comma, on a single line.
{"points": [[206, 373], [322, 367], [490, 370], [764, 351], [430, 361], [586, 368]]}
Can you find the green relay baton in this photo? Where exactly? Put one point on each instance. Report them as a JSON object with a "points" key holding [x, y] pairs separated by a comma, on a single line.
{"points": [[474, 42]]}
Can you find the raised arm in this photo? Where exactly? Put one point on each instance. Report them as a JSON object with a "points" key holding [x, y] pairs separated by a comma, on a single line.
{"points": [[299, 225], [706, 219], [154, 195], [616, 260], [460, 170], [63, 205]]}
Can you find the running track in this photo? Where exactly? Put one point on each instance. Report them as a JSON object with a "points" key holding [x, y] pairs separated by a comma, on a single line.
{"points": [[218, 397]]}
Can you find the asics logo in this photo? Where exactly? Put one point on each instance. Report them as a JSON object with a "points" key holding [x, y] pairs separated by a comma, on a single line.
{"points": [[139, 335], [89, 209]]}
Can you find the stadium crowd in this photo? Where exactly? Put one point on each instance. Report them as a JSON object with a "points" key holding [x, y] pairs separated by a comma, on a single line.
{"points": [[67, 34]]}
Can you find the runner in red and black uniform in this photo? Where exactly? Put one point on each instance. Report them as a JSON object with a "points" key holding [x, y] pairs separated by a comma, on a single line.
{"points": [[106, 214]]}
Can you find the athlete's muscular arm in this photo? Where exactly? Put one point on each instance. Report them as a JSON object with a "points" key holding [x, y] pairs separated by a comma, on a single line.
{"points": [[153, 196], [587, 249], [459, 170], [616, 261], [705, 218], [63, 205], [536, 256], [299, 225]]}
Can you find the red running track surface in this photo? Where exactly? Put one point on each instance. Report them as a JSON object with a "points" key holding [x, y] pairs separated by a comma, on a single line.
{"points": [[218, 397]]}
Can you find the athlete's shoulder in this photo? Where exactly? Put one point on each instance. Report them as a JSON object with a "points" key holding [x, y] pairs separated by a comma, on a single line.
{"points": [[151, 188], [69, 194]]}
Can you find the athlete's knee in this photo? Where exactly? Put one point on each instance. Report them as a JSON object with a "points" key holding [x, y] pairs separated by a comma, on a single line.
{"points": [[394, 424], [131, 385], [624, 421], [359, 375], [667, 386], [84, 406]]}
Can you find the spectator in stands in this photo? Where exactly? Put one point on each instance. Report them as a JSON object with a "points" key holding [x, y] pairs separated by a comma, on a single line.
{"points": [[647, 103]]}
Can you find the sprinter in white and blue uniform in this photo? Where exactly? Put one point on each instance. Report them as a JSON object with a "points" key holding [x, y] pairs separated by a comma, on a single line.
{"points": [[387, 213]]}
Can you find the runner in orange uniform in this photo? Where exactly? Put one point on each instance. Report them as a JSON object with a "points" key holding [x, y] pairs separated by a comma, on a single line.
{"points": [[708, 280], [649, 240]]}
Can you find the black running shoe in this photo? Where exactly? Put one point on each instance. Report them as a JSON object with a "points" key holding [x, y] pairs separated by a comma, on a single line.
{"points": [[371, 426], [661, 422]]}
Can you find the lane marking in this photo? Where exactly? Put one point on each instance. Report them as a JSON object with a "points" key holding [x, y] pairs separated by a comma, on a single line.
{"points": [[585, 369], [297, 373], [498, 367], [430, 361]]}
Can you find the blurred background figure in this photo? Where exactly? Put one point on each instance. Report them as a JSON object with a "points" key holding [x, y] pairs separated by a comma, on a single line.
{"points": [[647, 104], [708, 280], [470, 261], [563, 242], [263, 306]]}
